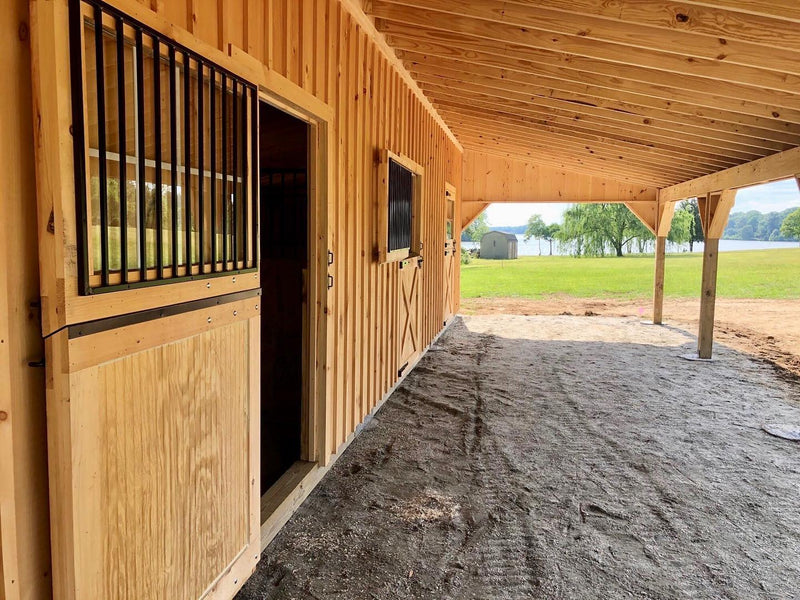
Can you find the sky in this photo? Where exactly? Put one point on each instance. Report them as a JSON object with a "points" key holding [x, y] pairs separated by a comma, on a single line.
{"points": [[766, 198]]}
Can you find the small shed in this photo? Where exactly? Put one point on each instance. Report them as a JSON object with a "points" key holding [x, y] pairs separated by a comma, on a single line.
{"points": [[497, 244]]}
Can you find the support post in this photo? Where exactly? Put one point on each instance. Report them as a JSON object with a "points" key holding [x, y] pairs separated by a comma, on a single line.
{"points": [[705, 336], [658, 285], [714, 212]]}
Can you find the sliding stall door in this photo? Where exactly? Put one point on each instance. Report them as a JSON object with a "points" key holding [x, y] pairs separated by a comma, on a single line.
{"points": [[150, 306]]}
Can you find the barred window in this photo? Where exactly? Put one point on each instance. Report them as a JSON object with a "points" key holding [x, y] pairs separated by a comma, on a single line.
{"points": [[400, 203], [401, 195], [164, 146]]}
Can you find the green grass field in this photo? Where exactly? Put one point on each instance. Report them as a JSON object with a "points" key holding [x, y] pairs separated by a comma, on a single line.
{"points": [[746, 274]]}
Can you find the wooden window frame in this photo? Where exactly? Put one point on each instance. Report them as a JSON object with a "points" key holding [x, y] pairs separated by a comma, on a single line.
{"points": [[382, 237], [62, 302], [237, 238]]}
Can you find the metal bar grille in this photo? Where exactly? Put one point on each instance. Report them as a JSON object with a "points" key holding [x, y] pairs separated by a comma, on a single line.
{"points": [[401, 196], [123, 150], [224, 172], [168, 235]]}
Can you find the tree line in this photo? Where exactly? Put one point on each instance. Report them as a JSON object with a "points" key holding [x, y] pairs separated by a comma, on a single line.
{"points": [[612, 229]]}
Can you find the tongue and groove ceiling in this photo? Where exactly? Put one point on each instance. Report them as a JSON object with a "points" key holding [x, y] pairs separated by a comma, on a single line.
{"points": [[646, 91]]}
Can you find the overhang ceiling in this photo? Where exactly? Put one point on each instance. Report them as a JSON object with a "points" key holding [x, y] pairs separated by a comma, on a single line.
{"points": [[647, 91]]}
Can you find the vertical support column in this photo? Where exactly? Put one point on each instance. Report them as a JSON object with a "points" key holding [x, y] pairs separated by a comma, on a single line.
{"points": [[714, 211], [658, 284], [705, 336]]}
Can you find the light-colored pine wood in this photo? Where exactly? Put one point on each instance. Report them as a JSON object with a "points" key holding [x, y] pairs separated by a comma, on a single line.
{"points": [[708, 296], [783, 165], [658, 280], [495, 179]]}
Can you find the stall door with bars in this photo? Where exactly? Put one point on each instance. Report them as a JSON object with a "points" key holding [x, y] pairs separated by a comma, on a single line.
{"points": [[150, 307]]}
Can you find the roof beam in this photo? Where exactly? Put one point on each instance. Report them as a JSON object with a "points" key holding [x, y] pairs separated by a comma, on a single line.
{"points": [[478, 68], [682, 42], [634, 132], [772, 25], [733, 80], [477, 96], [782, 165], [556, 66]]}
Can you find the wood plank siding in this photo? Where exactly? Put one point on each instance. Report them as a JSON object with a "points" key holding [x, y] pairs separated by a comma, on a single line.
{"points": [[326, 52], [320, 46]]}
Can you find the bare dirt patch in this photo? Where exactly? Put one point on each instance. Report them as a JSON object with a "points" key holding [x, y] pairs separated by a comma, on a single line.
{"points": [[766, 329], [557, 457]]}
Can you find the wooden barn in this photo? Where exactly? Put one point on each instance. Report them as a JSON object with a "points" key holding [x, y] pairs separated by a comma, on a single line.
{"points": [[500, 245], [229, 228]]}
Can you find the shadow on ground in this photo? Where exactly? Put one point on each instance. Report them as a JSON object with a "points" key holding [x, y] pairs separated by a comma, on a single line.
{"points": [[550, 464]]}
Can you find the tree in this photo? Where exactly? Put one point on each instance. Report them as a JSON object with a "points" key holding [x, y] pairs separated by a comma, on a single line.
{"points": [[552, 234], [536, 229], [682, 222], [790, 227], [478, 228], [696, 229], [592, 229]]}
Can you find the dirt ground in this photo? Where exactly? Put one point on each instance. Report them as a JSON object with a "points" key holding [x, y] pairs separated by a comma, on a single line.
{"points": [[557, 457], [767, 329]]}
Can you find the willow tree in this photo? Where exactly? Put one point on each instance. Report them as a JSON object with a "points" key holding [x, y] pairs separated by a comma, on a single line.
{"points": [[595, 229]]}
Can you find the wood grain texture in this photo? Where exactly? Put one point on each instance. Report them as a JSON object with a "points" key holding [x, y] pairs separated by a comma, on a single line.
{"points": [[489, 178], [24, 531], [151, 462]]}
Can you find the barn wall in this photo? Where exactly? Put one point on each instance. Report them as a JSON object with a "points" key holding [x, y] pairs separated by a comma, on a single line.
{"points": [[321, 47], [24, 535]]}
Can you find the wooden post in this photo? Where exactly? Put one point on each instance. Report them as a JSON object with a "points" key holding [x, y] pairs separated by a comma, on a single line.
{"points": [[658, 285], [705, 336], [714, 211]]}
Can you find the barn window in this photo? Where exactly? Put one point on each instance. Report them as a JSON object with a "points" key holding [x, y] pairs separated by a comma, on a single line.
{"points": [[400, 205], [163, 142]]}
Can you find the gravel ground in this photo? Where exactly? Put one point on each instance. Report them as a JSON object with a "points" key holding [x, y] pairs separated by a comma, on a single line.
{"points": [[557, 457]]}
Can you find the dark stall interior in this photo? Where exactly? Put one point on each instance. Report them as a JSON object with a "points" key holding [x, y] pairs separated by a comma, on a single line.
{"points": [[283, 162]]}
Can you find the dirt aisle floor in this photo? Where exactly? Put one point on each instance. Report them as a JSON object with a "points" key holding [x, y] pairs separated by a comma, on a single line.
{"points": [[768, 329], [557, 457]]}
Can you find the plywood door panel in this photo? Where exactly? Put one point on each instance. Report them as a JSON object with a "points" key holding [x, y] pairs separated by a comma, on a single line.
{"points": [[153, 458]]}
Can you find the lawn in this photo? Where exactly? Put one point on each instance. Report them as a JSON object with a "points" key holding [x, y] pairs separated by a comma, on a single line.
{"points": [[746, 274]]}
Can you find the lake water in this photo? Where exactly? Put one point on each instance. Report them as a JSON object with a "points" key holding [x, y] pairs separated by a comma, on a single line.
{"points": [[531, 248]]}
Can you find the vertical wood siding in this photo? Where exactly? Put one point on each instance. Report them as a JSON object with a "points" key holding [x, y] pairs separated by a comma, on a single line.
{"points": [[320, 46]]}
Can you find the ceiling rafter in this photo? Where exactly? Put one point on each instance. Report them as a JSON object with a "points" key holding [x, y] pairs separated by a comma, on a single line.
{"points": [[670, 126], [684, 43], [655, 92], [780, 86]]}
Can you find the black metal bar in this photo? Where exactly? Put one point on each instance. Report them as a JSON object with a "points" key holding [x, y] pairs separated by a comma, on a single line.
{"points": [[224, 173], [242, 206], [101, 142], [187, 159], [173, 152], [254, 202], [235, 169], [123, 153], [239, 205], [140, 184], [200, 169], [157, 142], [213, 119], [79, 143], [153, 314]]}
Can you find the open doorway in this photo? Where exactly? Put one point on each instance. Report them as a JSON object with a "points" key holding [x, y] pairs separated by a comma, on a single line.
{"points": [[283, 168]]}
